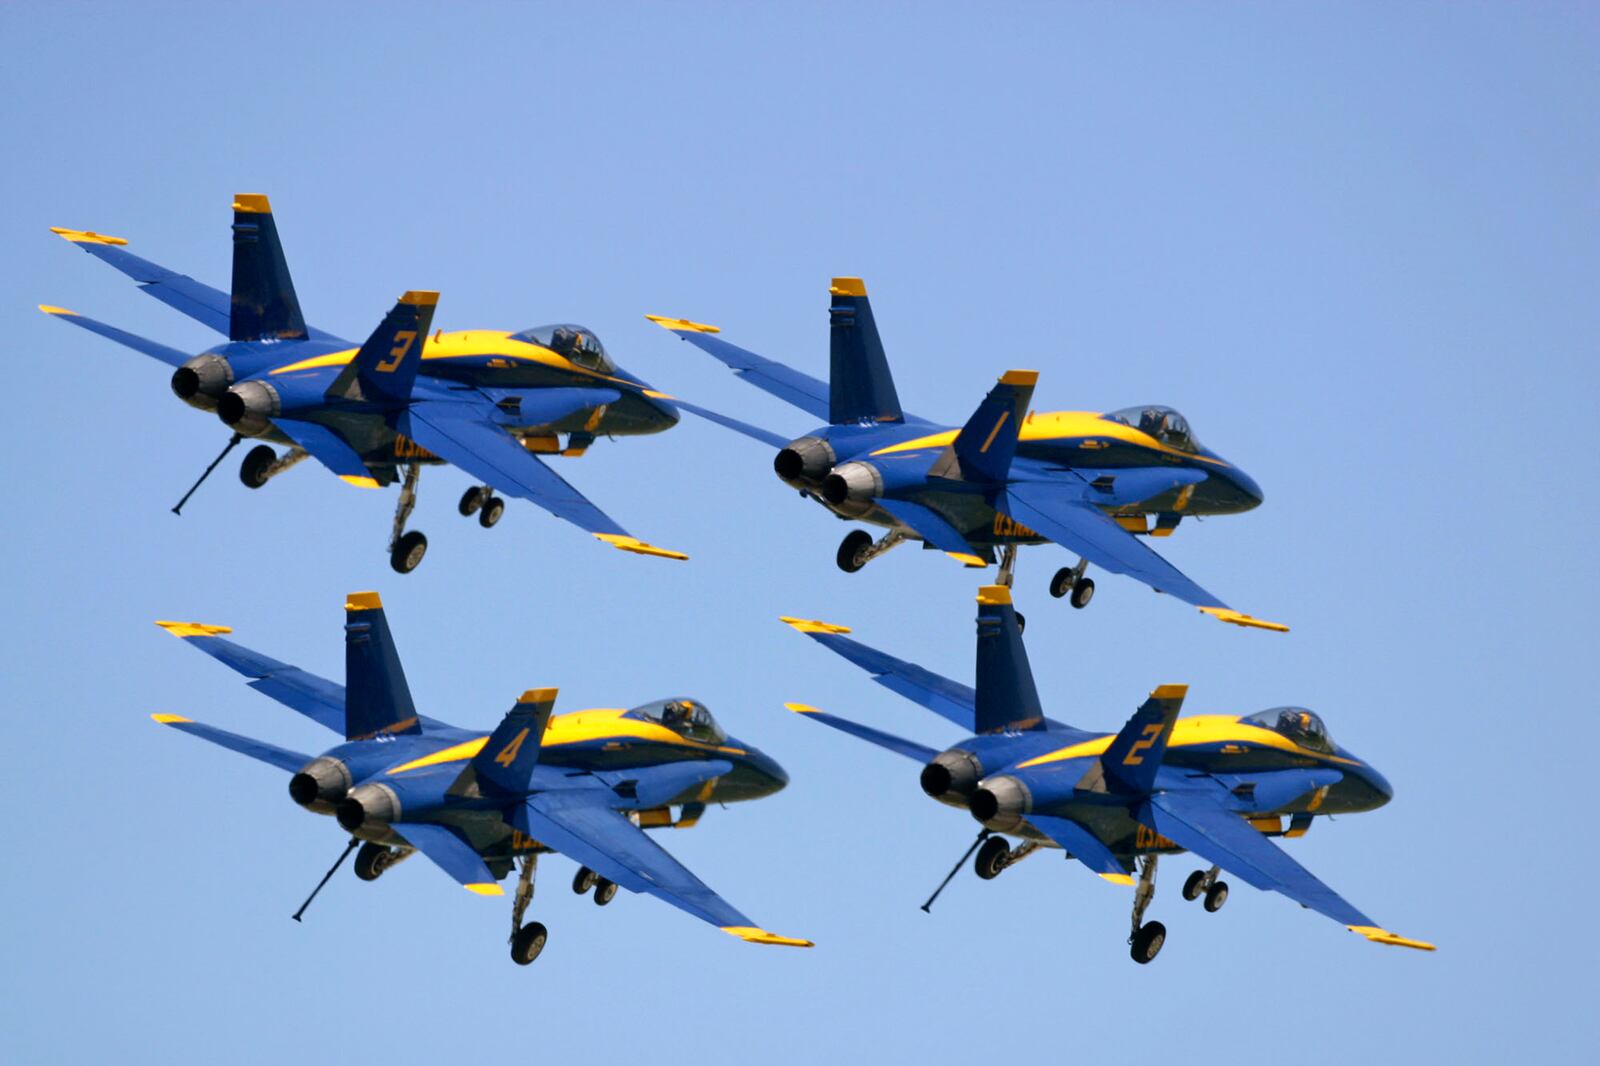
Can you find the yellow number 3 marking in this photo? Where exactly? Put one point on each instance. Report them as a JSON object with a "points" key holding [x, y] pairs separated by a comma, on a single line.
{"points": [[1133, 758], [508, 754], [403, 339]]}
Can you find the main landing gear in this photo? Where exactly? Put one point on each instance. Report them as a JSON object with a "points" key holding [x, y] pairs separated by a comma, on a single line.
{"points": [[407, 549], [858, 548], [373, 859], [527, 941], [996, 855], [1144, 943], [1205, 883], [604, 890], [262, 464]]}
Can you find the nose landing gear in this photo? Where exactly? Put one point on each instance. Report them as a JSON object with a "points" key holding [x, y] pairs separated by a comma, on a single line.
{"points": [[1070, 580]]}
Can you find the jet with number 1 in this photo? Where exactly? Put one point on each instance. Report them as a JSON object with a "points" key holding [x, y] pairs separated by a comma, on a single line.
{"points": [[486, 401], [1096, 484], [1216, 785], [586, 784]]}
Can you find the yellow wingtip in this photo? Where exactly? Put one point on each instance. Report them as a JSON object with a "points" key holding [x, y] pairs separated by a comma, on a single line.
{"points": [[485, 888], [994, 595], [169, 719], [637, 546], [252, 203], [1118, 879], [803, 708], [363, 601], [753, 935], [967, 559], [52, 309], [811, 625], [85, 236], [193, 629], [538, 695], [1239, 618], [1020, 377], [1379, 935], [682, 325], [359, 481], [420, 298], [848, 287]]}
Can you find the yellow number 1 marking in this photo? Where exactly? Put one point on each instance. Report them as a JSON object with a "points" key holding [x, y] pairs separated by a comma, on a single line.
{"points": [[1133, 758], [403, 339], [508, 754]]}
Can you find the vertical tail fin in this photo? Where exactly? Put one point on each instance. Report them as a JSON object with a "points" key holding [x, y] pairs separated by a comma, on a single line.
{"points": [[377, 700], [263, 304], [1006, 697], [512, 751], [988, 442], [1135, 754], [385, 369], [859, 385]]}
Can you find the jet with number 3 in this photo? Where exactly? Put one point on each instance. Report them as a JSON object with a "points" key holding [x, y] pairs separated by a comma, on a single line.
{"points": [[1218, 785], [1096, 484], [585, 784], [486, 401]]}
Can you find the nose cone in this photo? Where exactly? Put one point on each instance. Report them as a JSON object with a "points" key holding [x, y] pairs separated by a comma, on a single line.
{"points": [[769, 776], [666, 412], [1383, 792], [1250, 492]]}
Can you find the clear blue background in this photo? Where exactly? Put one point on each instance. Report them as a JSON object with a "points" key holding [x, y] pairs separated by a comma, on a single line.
{"points": [[1355, 244]]}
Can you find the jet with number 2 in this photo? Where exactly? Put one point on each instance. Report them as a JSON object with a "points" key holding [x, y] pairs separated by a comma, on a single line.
{"points": [[1093, 483], [586, 784], [1217, 785], [486, 401]]}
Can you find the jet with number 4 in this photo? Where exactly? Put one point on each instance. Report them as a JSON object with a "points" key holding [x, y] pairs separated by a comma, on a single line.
{"points": [[486, 401], [1218, 785], [1093, 483], [585, 784]]}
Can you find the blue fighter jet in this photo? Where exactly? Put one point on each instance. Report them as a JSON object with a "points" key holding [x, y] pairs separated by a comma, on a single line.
{"points": [[1216, 785], [1092, 483], [482, 400], [586, 784]]}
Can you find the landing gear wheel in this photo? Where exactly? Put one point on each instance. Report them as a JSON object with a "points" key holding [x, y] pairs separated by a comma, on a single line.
{"points": [[1195, 885], [1147, 942], [408, 552], [853, 549], [471, 500], [604, 891], [493, 508], [992, 858], [527, 942], [1082, 593], [585, 880], [372, 860], [253, 471], [1022, 621], [1216, 896], [1062, 583]]}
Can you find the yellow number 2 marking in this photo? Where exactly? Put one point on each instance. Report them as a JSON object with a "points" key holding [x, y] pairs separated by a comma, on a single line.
{"points": [[403, 339], [508, 754], [1134, 758]]}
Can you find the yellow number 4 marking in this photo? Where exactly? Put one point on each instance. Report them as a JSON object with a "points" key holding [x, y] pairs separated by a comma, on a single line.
{"points": [[1134, 758], [508, 754], [403, 339]]}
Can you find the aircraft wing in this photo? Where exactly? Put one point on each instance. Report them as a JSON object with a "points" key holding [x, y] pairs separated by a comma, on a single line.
{"points": [[1217, 835], [451, 854], [317, 698], [260, 750], [582, 827], [948, 699], [900, 746], [1054, 512], [466, 436], [802, 390], [1083, 845]]}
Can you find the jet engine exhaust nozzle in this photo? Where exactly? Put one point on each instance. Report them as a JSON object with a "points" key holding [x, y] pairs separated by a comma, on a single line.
{"points": [[368, 805], [852, 487], [320, 784], [805, 461], [201, 380], [951, 776], [1000, 803], [248, 407]]}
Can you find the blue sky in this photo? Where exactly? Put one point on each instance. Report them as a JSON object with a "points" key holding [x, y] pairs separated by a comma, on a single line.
{"points": [[1355, 244]]}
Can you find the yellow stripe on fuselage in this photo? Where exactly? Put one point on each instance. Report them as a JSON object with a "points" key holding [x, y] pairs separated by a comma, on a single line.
{"points": [[574, 728], [466, 344], [1195, 731], [1061, 426]]}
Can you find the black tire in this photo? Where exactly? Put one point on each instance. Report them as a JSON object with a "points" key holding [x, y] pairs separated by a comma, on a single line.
{"points": [[1082, 593], [1194, 885], [493, 508], [408, 552], [992, 858], [1147, 942], [528, 942], [471, 500], [584, 880], [1022, 621], [1216, 896], [1061, 584], [372, 860], [851, 548], [604, 891], [253, 470]]}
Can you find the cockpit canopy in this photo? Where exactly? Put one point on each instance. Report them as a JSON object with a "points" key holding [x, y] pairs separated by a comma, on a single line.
{"points": [[685, 717], [574, 342], [1162, 423], [1297, 724]]}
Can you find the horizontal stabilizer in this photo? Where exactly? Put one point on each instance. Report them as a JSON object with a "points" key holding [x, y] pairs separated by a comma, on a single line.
{"points": [[452, 854], [910, 749], [507, 760], [860, 387], [1131, 761], [377, 698], [317, 698], [1080, 842], [170, 356], [988, 442], [384, 370], [330, 449], [260, 750], [933, 528], [791, 386], [263, 305]]}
